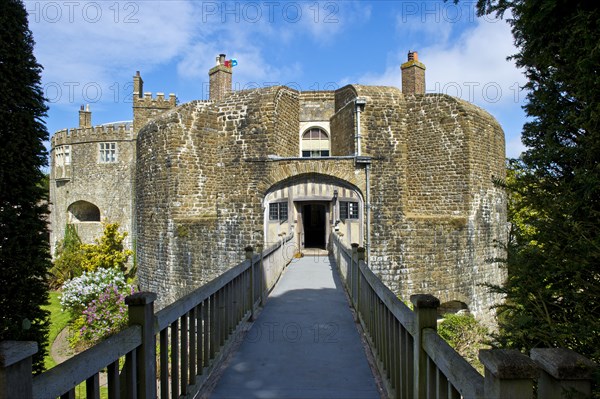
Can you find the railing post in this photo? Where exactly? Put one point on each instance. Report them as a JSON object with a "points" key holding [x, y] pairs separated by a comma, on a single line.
{"points": [[565, 373], [425, 308], [350, 276], [360, 252], [249, 255], [508, 374], [16, 379], [262, 275], [141, 312]]}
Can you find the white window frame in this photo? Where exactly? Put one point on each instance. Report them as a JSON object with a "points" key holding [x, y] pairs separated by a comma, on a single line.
{"points": [[323, 146], [107, 152], [62, 155]]}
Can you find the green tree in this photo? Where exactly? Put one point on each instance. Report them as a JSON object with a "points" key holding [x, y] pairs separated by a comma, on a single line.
{"points": [[24, 257], [553, 288], [69, 258], [108, 252]]}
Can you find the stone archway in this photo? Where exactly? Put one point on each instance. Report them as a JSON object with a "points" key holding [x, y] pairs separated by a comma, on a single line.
{"points": [[312, 206]]}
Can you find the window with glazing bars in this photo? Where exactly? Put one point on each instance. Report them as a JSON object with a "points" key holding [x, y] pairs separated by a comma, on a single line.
{"points": [[348, 210], [108, 152], [278, 211]]}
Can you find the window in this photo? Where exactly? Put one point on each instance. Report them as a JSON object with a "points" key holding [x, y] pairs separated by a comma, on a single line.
{"points": [[108, 152], [278, 211], [315, 143], [315, 153], [62, 155], [348, 210]]}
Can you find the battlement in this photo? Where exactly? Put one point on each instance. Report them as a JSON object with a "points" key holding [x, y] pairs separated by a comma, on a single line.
{"points": [[147, 101], [107, 132]]}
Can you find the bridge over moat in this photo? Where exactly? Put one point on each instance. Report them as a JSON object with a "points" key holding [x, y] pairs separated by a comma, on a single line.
{"points": [[303, 344]]}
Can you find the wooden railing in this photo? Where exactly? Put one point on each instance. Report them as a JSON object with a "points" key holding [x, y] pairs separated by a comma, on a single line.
{"points": [[194, 333], [415, 362]]}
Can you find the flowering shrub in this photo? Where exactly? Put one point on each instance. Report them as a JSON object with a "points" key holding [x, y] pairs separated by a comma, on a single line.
{"points": [[104, 316], [96, 301], [79, 292]]}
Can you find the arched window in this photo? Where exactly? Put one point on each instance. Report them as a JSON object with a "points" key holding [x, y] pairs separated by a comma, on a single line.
{"points": [[83, 211], [315, 143]]}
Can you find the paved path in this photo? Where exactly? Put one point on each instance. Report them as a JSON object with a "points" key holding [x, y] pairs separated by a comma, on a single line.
{"points": [[304, 344]]}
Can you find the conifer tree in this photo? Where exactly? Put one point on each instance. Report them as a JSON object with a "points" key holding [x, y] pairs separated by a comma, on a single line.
{"points": [[553, 288], [24, 257]]}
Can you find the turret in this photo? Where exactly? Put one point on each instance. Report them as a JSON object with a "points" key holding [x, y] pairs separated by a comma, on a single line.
{"points": [[145, 107]]}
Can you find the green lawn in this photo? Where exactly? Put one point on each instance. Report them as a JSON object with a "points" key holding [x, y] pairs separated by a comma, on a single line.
{"points": [[58, 321]]}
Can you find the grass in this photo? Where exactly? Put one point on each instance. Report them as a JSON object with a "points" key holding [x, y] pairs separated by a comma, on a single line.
{"points": [[58, 321]]}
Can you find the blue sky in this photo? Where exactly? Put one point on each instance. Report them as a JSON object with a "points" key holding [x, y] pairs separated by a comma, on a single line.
{"points": [[91, 49]]}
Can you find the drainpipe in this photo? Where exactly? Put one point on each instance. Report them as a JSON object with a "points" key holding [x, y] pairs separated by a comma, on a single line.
{"points": [[360, 104]]}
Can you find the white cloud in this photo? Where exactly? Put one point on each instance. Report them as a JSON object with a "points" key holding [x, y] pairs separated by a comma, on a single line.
{"points": [[94, 42], [473, 66], [104, 43]]}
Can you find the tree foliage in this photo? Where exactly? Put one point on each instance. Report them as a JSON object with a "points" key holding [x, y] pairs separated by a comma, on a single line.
{"points": [[108, 252], [69, 258], [24, 257], [73, 257], [553, 288], [465, 335]]}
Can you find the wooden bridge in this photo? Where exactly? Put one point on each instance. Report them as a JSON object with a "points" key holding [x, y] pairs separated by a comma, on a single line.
{"points": [[279, 327]]}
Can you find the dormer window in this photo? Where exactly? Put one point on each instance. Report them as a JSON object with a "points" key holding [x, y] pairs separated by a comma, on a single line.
{"points": [[315, 143]]}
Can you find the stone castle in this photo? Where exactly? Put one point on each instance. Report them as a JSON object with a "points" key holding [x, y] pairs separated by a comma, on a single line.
{"points": [[405, 174]]}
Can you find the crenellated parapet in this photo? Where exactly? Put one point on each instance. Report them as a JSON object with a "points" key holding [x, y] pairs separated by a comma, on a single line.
{"points": [[147, 107], [158, 102], [109, 132]]}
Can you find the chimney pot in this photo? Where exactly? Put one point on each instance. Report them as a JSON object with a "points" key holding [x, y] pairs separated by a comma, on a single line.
{"points": [[413, 56]]}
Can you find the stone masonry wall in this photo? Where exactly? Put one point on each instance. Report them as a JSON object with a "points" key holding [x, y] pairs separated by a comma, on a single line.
{"points": [[436, 216], [316, 105], [199, 166], [106, 185], [204, 168], [343, 123]]}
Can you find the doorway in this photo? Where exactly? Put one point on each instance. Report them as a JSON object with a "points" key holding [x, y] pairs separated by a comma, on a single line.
{"points": [[314, 225]]}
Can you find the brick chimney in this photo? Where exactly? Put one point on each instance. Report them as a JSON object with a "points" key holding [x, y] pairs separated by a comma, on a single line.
{"points": [[413, 75], [219, 79], [85, 116]]}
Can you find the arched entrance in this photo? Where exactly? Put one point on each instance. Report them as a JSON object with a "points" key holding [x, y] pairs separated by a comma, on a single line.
{"points": [[312, 206]]}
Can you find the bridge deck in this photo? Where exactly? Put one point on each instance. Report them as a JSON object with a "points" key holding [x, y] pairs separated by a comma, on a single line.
{"points": [[304, 344]]}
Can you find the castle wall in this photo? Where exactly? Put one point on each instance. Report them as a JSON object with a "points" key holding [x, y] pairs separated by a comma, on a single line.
{"points": [[343, 122], [145, 107], [316, 106], [105, 185], [436, 216], [204, 170], [199, 166]]}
